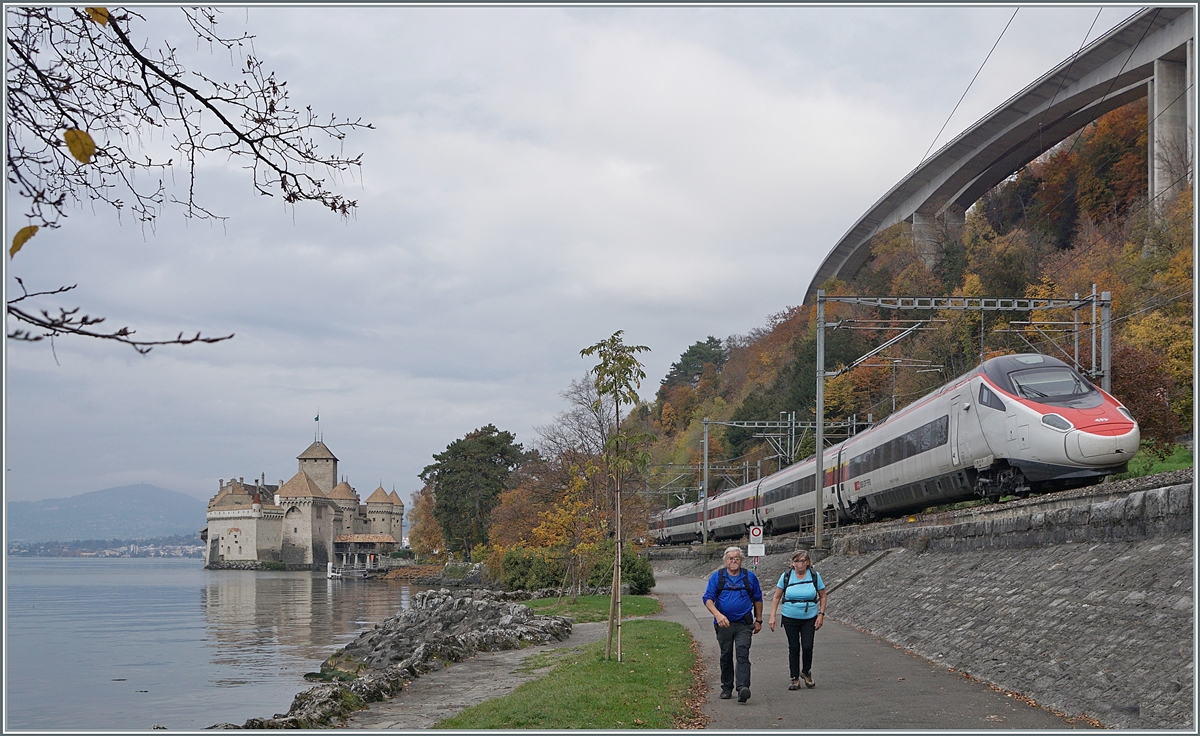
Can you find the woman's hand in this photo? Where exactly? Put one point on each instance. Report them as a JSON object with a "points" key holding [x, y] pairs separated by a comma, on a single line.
{"points": [[771, 622], [820, 620]]}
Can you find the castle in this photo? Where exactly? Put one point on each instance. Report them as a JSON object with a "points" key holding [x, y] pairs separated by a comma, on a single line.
{"points": [[302, 524]]}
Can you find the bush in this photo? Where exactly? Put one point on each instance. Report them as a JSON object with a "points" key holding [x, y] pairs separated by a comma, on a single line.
{"points": [[636, 571], [526, 569]]}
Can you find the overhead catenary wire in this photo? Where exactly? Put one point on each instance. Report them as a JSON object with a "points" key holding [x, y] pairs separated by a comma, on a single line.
{"points": [[968, 89]]}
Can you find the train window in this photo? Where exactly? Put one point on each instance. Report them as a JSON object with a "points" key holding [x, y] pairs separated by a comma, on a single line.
{"points": [[1049, 383], [988, 398]]}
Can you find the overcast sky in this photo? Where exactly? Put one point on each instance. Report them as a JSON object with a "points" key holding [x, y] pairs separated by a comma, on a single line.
{"points": [[538, 179]]}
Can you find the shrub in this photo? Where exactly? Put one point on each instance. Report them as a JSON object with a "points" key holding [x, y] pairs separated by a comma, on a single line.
{"points": [[636, 571], [528, 569]]}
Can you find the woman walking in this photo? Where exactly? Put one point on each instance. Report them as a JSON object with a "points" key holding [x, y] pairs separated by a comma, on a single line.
{"points": [[801, 591]]}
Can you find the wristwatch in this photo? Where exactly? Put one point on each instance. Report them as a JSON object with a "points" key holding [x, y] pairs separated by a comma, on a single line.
{"points": [[758, 620]]}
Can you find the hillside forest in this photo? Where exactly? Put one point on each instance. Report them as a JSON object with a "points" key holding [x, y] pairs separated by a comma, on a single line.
{"points": [[1077, 216]]}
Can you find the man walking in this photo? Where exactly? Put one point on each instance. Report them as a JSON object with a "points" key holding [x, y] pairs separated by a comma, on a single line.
{"points": [[734, 598]]}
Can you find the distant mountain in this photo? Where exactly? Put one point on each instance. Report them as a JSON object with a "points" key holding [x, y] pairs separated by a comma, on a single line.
{"points": [[127, 512]]}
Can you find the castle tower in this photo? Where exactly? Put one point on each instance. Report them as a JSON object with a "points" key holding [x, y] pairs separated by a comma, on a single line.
{"points": [[345, 497], [379, 511], [310, 520], [319, 464], [397, 517]]}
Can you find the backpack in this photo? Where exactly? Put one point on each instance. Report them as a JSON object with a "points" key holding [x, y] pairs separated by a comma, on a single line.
{"points": [[722, 576], [814, 578]]}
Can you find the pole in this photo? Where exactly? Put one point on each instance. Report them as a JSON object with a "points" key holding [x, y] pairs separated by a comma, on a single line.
{"points": [[1093, 329], [820, 476], [1106, 340], [704, 490]]}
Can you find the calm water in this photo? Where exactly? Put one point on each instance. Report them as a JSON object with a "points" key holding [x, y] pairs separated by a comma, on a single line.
{"points": [[121, 644]]}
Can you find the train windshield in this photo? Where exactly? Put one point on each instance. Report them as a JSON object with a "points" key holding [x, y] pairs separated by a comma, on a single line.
{"points": [[1053, 383]]}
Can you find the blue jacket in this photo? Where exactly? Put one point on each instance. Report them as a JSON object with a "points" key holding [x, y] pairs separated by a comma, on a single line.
{"points": [[739, 595]]}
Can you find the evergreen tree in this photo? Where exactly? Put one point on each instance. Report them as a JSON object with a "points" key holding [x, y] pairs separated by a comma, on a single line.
{"points": [[467, 480]]}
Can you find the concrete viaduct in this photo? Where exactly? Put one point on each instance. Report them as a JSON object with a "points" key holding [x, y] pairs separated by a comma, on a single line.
{"points": [[1149, 55]]}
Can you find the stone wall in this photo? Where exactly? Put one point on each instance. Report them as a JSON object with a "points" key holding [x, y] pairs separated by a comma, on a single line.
{"points": [[1096, 629], [1083, 601]]}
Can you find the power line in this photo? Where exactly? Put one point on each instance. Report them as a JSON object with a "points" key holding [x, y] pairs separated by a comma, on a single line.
{"points": [[968, 89]]}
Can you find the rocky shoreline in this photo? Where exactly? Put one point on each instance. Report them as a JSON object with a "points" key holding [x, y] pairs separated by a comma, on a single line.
{"points": [[439, 628]]}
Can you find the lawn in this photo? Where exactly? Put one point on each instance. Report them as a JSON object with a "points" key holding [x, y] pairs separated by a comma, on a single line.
{"points": [[647, 689], [590, 608], [1146, 463]]}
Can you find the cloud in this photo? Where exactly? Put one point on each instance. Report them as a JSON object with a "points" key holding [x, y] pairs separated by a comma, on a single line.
{"points": [[538, 178]]}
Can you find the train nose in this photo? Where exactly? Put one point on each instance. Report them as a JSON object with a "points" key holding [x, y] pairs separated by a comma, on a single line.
{"points": [[1116, 445]]}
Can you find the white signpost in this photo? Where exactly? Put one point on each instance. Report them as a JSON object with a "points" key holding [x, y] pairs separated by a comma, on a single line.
{"points": [[756, 548]]}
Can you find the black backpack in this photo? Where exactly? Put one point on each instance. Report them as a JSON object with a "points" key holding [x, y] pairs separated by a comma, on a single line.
{"points": [[722, 576], [813, 579]]}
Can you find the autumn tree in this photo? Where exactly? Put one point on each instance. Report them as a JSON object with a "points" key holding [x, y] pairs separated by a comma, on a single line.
{"points": [[85, 93], [467, 480], [425, 534], [618, 375]]}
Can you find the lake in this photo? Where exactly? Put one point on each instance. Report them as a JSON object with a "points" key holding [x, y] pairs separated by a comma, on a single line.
{"points": [[123, 644]]}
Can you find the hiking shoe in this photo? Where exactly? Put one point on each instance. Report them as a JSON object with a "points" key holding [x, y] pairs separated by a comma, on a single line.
{"points": [[726, 694], [795, 684], [743, 695], [808, 681]]}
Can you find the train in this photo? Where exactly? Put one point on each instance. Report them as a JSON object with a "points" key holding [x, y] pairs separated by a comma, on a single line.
{"points": [[1014, 425]]}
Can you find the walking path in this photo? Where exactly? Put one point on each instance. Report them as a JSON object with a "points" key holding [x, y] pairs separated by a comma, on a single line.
{"points": [[862, 682]]}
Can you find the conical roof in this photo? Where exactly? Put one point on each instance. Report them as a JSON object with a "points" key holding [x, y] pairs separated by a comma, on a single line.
{"points": [[342, 491], [396, 499], [300, 486], [316, 451], [379, 496]]}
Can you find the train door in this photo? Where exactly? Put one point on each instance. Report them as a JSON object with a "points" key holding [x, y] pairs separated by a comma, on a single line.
{"points": [[955, 408], [838, 485]]}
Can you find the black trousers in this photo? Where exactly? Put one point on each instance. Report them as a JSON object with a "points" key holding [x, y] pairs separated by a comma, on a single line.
{"points": [[800, 634], [735, 639]]}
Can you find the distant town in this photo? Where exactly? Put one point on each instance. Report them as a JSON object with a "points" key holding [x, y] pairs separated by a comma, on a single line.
{"points": [[172, 546]]}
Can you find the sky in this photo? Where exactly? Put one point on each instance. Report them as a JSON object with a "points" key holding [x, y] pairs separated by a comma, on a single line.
{"points": [[537, 179]]}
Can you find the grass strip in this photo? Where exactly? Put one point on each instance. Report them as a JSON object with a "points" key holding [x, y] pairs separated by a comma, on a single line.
{"points": [[647, 689], [591, 608]]}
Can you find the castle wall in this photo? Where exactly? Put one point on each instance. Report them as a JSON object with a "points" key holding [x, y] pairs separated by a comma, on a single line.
{"points": [[269, 536]]}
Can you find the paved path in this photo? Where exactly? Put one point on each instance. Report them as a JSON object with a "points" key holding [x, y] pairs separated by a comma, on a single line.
{"points": [[862, 682]]}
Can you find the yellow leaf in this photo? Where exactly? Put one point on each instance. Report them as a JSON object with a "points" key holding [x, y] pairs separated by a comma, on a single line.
{"points": [[99, 15], [80, 144], [19, 239]]}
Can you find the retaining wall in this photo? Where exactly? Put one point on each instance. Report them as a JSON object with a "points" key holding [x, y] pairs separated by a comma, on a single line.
{"points": [[1085, 605]]}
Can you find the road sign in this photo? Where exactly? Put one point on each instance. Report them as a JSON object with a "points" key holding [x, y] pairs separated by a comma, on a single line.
{"points": [[756, 548]]}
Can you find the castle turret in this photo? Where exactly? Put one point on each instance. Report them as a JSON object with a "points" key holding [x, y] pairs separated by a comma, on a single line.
{"points": [[320, 465]]}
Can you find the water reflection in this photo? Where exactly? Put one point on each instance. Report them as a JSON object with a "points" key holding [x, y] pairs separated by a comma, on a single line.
{"points": [[134, 642], [261, 625]]}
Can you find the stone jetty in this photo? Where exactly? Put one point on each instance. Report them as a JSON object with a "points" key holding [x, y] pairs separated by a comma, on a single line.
{"points": [[439, 628]]}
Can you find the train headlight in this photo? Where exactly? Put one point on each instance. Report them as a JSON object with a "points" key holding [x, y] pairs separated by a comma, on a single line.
{"points": [[1056, 421], [1125, 411]]}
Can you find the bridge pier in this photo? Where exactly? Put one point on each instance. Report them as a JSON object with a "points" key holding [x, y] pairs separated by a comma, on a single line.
{"points": [[1170, 122], [931, 232]]}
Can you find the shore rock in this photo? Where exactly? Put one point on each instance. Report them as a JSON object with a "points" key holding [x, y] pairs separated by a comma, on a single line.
{"points": [[440, 627]]}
